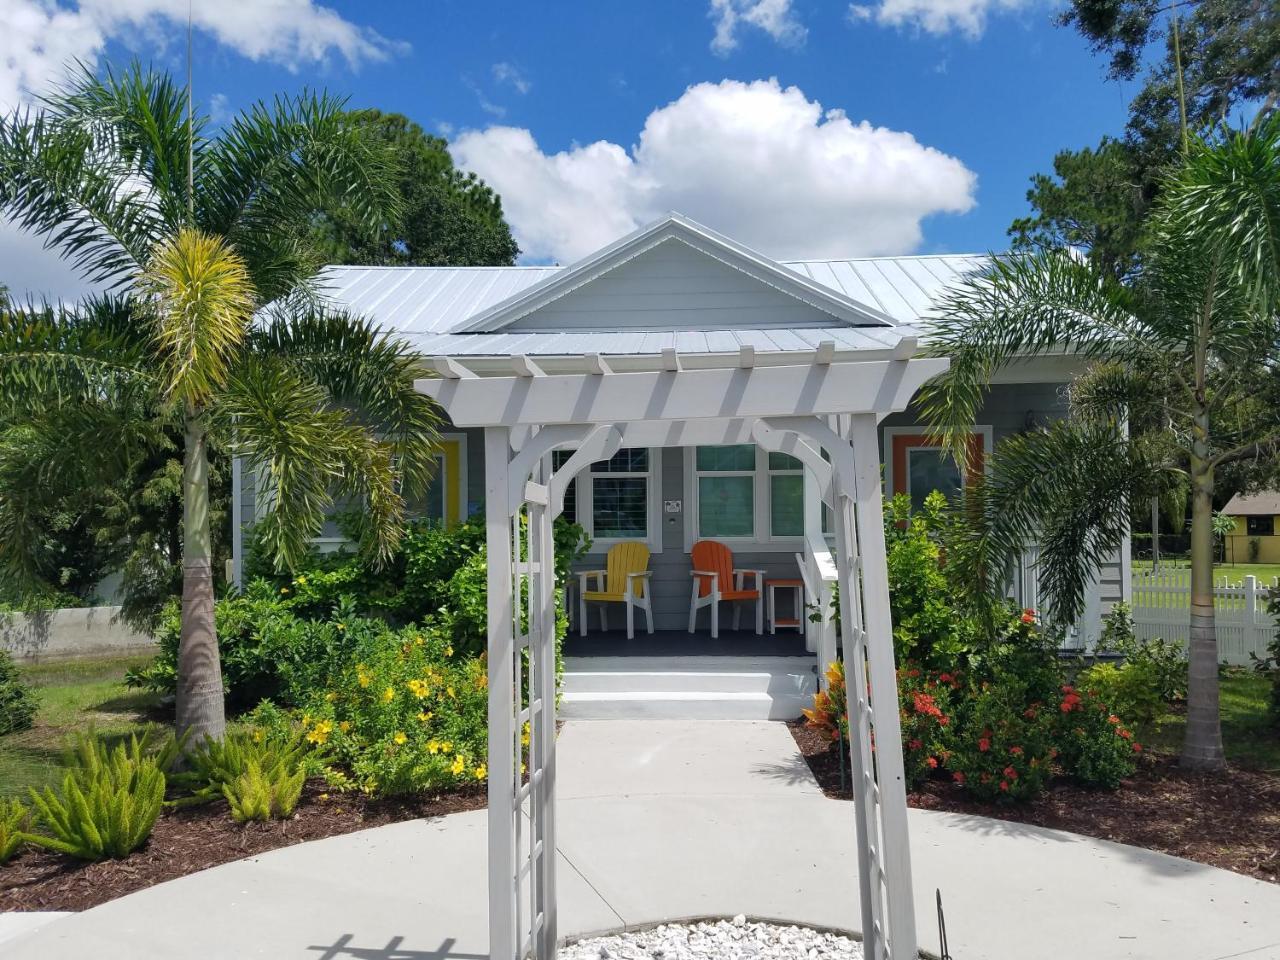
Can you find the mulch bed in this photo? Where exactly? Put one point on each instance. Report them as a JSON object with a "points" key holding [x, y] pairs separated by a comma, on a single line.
{"points": [[192, 839], [1229, 820]]}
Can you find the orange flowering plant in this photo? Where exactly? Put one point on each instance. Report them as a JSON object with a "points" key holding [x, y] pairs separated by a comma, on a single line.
{"points": [[830, 711]]}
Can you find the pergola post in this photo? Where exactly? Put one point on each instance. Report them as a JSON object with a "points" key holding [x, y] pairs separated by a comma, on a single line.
{"points": [[503, 809], [878, 634]]}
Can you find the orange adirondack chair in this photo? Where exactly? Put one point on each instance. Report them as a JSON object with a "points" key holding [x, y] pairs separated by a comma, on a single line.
{"points": [[715, 578], [625, 579]]}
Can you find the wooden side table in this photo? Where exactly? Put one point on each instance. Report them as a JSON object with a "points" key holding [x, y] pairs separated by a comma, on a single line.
{"points": [[797, 592]]}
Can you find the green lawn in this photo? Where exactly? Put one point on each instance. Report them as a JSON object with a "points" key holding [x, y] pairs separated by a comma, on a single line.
{"points": [[73, 694], [1248, 734], [1234, 572]]}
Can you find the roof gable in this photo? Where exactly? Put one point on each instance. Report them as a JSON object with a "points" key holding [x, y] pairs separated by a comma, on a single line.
{"points": [[674, 274]]}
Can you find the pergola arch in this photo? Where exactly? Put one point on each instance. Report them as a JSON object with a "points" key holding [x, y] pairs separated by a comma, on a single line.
{"points": [[824, 413]]}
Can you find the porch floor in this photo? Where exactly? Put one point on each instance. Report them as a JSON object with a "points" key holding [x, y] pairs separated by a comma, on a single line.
{"points": [[680, 643]]}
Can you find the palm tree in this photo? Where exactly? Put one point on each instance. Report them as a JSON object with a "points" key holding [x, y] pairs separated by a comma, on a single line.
{"points": [[318, 403], [1181, 379]]}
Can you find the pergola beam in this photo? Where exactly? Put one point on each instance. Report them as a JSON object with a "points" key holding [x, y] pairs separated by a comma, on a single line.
{"points": [[797, 390]]}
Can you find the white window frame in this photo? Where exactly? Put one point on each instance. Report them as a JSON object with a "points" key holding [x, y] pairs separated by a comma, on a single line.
{"points": [[763, 539], [986, 431], [653, 504]]}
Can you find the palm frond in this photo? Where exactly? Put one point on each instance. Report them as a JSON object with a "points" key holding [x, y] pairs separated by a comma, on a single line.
{"points": [[142, 113], [1067, 488], [1216, 256], [274, 166], [367, 371], [197, 291], [1021, 306], [95, 352], [70, 185], [304, 452]]}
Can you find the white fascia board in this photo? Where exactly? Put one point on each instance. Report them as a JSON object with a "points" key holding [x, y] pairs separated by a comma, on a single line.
{"points": [[703, 239], [801, 389], [487, 366]]}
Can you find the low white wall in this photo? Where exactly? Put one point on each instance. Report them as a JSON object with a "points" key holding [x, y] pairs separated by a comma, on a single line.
{"points": [[90, 631]]}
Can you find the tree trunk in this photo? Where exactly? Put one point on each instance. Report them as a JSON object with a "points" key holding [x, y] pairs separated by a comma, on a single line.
{"points": [[199, 682], [1202, 746]]}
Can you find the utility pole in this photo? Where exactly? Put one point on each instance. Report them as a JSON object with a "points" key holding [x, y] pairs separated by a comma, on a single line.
{"points": [[1177, 66], [191, 134]]}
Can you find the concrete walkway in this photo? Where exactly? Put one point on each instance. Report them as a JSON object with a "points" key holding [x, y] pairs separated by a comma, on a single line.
{"points": [[660, 821]]}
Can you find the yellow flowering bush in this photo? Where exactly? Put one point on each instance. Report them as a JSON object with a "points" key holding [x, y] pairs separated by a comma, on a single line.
{"points": [[403, 714]]}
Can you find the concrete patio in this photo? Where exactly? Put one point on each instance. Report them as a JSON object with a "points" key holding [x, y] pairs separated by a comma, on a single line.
{"points": [[666, 820]]}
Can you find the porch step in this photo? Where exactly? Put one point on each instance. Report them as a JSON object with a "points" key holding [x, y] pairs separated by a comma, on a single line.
{"points": [[692, 688]]}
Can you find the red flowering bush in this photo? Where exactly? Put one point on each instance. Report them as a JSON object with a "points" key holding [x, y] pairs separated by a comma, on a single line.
{"points": [[983, 697], [1003, 747], [925, 712], [1097, 747]]}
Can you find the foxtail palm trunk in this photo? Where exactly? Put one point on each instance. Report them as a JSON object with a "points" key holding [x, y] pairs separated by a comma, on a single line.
{"points": [[1202, 746], [199, 691]]}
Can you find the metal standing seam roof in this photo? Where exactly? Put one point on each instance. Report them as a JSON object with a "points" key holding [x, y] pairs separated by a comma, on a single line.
{"points": [[426, 304]]}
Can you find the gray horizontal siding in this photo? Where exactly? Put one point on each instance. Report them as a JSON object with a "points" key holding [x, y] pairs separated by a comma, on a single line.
{"points": [[673, 286]]}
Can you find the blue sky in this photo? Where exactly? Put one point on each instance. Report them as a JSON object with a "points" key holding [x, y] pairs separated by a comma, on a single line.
{"points": [[591, 117]]}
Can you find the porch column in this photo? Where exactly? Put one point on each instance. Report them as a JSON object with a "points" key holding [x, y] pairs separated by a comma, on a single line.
{"points": [[503, 769]]}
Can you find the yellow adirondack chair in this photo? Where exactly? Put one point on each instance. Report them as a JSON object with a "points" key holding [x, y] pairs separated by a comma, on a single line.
{"points": [[625, 579]]}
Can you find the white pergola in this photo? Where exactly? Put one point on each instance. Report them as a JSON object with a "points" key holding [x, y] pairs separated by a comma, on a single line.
{"points": [[822, 411]]}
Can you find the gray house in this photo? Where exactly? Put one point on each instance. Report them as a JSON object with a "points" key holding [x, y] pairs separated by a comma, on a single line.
{"points": [[676, 295]]}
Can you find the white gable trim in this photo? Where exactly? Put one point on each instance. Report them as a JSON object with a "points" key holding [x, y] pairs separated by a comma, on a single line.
{"points": [[706, 241]]}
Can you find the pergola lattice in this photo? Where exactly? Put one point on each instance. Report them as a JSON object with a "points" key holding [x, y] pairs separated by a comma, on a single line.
{"points": [[824, 413]]}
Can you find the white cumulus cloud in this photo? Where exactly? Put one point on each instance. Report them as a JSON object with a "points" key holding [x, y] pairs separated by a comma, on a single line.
{"points": [[774, 17], [757, 161], [937, 17], [41, 37]]}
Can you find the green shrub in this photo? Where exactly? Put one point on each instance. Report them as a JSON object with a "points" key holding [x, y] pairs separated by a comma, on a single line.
{"points": [[982, 690], [278, 754], [929, 625], [260, 794], [109, 800], [262, 644], [1163, 662], [1095, 745], [15, 819], [17, 701], [1131, 690]]}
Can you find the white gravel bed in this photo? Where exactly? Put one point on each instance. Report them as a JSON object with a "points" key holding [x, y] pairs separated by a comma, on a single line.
{"points": [[736, 939]]}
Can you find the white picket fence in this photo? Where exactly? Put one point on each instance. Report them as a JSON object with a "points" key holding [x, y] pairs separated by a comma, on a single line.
{"points": [[1161, 607]]}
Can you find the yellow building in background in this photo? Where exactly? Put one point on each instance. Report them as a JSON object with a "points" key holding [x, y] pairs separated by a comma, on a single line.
{"points": [[1256, 536]]}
